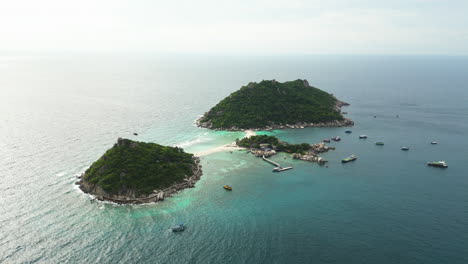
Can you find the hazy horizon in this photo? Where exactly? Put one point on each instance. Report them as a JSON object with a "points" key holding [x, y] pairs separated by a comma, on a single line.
{"points": [[411, 27]]}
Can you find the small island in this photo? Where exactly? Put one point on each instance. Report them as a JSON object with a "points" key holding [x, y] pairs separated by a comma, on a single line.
{"points": [[267, 146], [138, 172], [273, 105]]}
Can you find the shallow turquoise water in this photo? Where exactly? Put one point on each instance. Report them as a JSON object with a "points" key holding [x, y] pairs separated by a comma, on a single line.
{"points": [[58, 114]]}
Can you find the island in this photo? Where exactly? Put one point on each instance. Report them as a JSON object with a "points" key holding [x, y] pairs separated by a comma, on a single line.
{"points": [[266, 146], [133, 172], [274, 105]]}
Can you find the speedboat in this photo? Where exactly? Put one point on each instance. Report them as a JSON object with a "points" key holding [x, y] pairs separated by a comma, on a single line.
{"points": [[405, 148], [337, 138], [434, 143], [227, 187], [348, 131], [348, 159], [363, 136], [179, 227], [440, 164]]}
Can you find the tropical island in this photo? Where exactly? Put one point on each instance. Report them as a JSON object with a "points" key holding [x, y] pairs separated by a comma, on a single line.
{"points": [[273, 105], [139, 172], [267, 146]]}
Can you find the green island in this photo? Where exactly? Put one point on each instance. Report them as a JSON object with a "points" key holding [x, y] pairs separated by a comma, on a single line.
{"points": [[266, 146], [139, 172], [274, 105]]}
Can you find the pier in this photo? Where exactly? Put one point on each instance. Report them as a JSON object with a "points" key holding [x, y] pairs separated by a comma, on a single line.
{"points": [[278, 167]]}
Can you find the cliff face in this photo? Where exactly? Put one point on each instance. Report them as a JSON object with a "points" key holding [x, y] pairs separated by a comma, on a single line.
{"points": [[271, 105], [138, 172]]}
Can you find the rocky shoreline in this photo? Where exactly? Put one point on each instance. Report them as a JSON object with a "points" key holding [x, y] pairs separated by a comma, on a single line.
{"points": [[346, 122], [155, 196]]}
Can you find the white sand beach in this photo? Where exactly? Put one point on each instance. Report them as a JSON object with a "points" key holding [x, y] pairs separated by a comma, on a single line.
{"points": [[229, 147]]}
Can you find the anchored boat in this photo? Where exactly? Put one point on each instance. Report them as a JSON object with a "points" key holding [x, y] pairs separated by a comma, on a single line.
{"points": [[326, 140], [227, 187], [179, 228], [363, 136], [337, 138], [348, 159], [440, 164], [379, 143], [405, 148], [348, 131]]}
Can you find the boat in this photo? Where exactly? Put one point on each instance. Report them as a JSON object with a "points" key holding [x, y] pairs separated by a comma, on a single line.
{"points": [[405, 148], [179, 227], [337, 138], [434, 143], [363, 136], [348, 131], [326, 140], [135, 134], [227, 187], [440, 164], [379, 143], [348, 159]]}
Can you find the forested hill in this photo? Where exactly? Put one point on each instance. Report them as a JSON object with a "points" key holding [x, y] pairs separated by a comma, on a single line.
{"points": [[271, 103], [133, 169]]}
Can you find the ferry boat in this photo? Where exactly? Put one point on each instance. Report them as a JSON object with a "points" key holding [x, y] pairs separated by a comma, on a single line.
{"points": [[440, 164], [363, 136], [179, 227], [348, 131], [405, 148], [227, 187], [348, 159], [326, 140], [379, 143], [337, 138]]}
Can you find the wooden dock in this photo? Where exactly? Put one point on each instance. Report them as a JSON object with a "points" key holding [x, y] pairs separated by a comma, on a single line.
{"points": [[278, 167]]}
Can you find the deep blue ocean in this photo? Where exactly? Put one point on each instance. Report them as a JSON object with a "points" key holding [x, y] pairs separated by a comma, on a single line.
{"points": [[61, 112]]}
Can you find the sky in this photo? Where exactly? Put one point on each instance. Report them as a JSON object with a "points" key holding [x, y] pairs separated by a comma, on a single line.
{"points": [[237, 27]]}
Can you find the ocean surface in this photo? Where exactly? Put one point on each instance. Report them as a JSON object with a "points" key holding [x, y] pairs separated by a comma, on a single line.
{"points": [[60, 112]]}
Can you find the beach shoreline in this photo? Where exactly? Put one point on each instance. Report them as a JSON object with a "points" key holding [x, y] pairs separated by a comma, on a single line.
{"points": [[228, 147]]}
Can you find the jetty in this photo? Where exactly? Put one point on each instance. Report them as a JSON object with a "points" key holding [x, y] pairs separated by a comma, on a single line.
{"points": [[278, 167]]}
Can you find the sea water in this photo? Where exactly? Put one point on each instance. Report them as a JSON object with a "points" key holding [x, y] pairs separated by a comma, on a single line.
{"points": [[59, 113]]}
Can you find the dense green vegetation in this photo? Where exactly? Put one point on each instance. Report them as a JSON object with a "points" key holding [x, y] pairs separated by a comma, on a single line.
{"points": [[273, 142], [139, 167], [258, 105]]}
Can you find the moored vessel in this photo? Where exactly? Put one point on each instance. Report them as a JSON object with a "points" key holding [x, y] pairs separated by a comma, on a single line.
{"points": [[379, 143], [337, 138], [179, 227], [440, 164], [348, 159], [348, 131], [363, 136], [404, 148], [326, 140], [227, 187]]}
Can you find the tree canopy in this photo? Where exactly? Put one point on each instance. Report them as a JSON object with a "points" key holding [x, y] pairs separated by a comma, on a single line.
{"points": [[258, 105], [139, 167]]}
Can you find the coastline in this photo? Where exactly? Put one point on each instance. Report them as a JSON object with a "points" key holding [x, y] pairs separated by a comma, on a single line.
{"points": [[346, 122], [156, 196], [227, 147]]}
